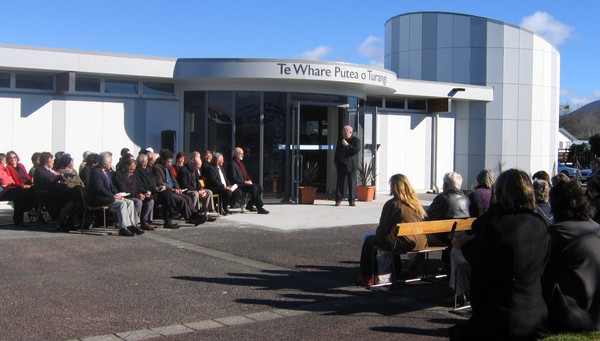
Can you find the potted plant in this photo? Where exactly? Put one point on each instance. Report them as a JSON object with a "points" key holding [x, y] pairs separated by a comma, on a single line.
{"points": [[365, 191], [308, 192]]}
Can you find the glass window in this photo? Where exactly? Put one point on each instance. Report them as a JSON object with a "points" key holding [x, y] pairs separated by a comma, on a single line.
{"points": [[120, 87], [158, 89], [373, 102], [220, 113], [247, 128], [275, 111], [4, 80], [87, 84], [417, 104], [394, 103], [194, 105], [32, 81]]}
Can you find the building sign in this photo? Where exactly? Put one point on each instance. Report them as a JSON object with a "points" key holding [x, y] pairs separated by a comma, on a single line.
{"points": [[332, 72]]}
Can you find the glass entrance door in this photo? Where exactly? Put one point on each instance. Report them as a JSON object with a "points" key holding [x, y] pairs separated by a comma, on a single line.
{"points": [[310, 146]]}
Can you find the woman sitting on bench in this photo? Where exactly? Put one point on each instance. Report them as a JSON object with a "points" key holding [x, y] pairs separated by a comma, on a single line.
{"points": [[402, 208]]}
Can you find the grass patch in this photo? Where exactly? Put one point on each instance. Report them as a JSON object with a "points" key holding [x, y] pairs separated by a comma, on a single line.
{"points": [[574, 336]]}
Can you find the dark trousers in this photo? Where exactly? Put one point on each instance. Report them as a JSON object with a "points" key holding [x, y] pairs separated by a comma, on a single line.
{"points": [[255, 194], [345, 177], [227, 197], [368, 263]]}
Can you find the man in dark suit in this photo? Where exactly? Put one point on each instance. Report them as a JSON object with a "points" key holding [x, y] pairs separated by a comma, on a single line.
{"points": [[188, 177], [346, 164], [217, 182], [102, 192], [166, 180], [236, 172]]}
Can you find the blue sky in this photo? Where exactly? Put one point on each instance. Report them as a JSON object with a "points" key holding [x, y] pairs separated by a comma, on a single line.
{"points": [[344, 30]]}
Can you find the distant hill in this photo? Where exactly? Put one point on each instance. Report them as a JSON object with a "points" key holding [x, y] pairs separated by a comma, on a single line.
{"points": [[583, 122]]}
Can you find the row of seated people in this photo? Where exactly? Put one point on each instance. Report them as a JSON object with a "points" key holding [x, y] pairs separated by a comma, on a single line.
{"points": [[177, 186], [529, 275]]}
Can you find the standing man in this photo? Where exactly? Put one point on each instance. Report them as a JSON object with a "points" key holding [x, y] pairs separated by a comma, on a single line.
{"points": [[346, 164]]}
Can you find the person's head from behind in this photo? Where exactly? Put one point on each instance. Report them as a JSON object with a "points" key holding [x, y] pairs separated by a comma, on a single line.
{"points": [[560, 177], [452, 181], [542, 175], [486, 178], [513, 191], [541, 189], [569, 202], [593, 187], [403, 191], [92, 160]]}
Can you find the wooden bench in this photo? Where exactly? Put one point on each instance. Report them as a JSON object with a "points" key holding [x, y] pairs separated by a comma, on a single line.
{"points": [[425, 227]]}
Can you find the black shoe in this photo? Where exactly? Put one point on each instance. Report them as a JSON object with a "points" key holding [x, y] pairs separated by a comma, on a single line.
{"points": [[262, 211], [226, 211], [135, 229], [197, 220], [250, 208], [125, 232], [177, 216], [170, 225]]}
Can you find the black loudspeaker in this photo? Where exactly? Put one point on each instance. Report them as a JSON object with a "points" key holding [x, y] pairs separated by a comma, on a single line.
{"points": [[167, 140]]}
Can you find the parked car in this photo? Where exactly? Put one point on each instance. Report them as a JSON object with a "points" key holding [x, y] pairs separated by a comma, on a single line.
{"points": [[570, 171]]}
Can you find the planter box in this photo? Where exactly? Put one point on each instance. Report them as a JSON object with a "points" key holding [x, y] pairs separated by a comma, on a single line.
{"points": [[308, 195], [365, 193]]}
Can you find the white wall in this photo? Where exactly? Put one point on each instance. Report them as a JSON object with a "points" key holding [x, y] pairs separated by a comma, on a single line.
{"points": [[36, 123]]}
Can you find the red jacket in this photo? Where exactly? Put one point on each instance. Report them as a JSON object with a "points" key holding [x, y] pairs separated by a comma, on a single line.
{"points": [[15, 175]]}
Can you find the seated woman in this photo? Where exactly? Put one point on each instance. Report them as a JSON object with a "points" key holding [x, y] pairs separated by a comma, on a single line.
{"points": [[66, 167], [511, 254], [22, 179], [63, 204], [403, 207], [10, 191], [571, 279], [125, 181]]}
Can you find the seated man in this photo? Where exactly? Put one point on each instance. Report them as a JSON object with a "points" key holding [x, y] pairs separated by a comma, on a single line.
{"points": [[125, 181], [236, 173], [164, 177], [451, 203], [218, 184], [188, 177], [102, 192]]}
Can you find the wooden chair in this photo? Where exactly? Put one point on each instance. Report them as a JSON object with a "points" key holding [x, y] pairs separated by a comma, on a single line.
{"points": [[216, 198], [91, 209]]}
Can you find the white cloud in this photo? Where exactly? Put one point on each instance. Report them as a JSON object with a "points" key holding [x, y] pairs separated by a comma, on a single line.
{"points": [[316, 54], [372, 49], [545, 25], [579, 101]]}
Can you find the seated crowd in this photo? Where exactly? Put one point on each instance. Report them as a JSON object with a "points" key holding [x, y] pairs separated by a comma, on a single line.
{"points": [[131, 189], [532, 257]]}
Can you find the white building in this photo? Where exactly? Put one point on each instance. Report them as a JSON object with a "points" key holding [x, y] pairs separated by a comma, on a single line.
{"points": [[466, 94]]}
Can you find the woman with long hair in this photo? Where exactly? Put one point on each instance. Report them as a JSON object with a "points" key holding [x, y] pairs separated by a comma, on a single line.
{"points": [[403, 207], [511, 253]]}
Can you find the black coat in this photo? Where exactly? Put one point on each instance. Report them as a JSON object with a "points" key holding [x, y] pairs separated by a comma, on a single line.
{"points": [[127, 184], [506, 290], [572, 277], [188, 178], [213, 180], [346, 157], [99, 193]]}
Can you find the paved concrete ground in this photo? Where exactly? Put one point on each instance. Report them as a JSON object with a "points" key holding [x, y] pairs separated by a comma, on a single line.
{"points": [[286, 275]]}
